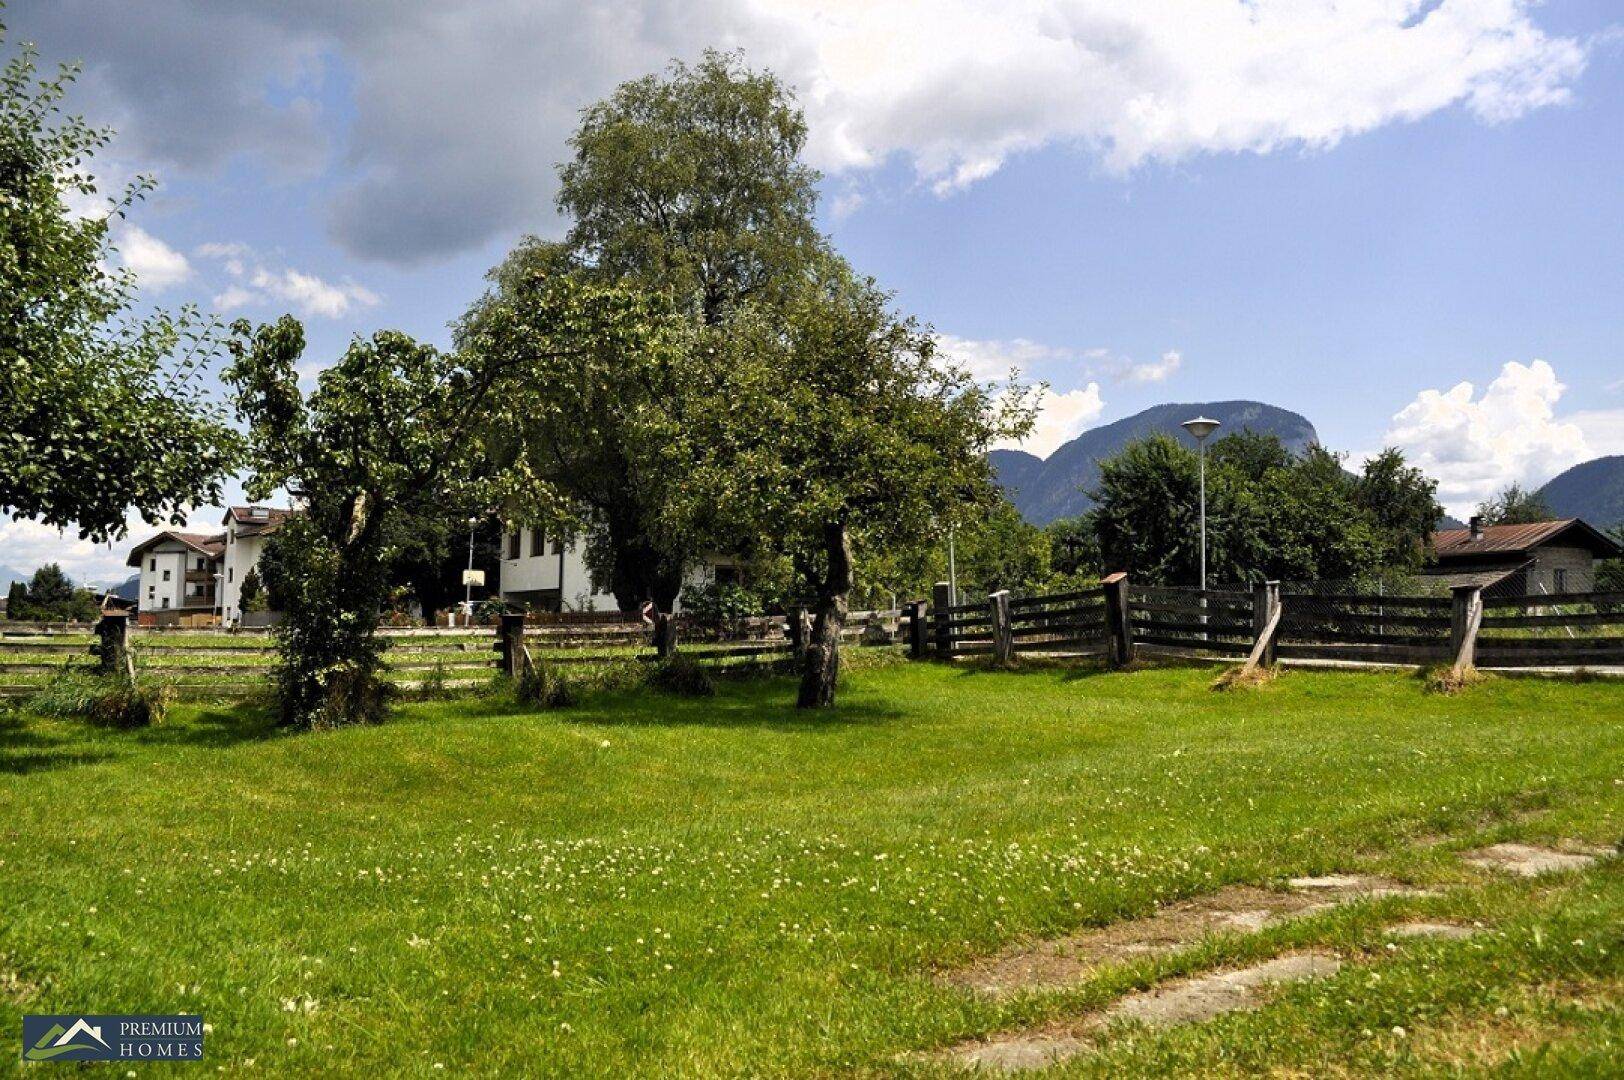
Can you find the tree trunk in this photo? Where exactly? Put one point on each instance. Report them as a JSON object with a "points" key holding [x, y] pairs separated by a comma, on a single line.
{"points": [[821, 668]]}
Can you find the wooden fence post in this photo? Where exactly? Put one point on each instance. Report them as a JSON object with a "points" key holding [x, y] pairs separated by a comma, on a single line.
{"points": [[798, 633], [510, 643], [665, 636], [1466, 616], [1116, 619], [918, 637], [114, 648], [1265, 599], [1003, 637], [941, 600]]}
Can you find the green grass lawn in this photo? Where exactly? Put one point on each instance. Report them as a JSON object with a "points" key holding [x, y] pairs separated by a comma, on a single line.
{"points": [[657, 886]]}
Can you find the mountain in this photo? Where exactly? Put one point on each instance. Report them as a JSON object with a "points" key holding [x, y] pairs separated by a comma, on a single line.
{"points": [[8, 575], [1593, 490], [1044, 489]]}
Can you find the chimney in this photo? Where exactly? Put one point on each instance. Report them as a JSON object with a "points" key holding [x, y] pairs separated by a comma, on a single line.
{"points": [[1476, 525]]}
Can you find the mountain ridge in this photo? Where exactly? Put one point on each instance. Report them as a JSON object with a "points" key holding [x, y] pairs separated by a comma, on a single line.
{"points": [[1046, 489], [1593, 490]]}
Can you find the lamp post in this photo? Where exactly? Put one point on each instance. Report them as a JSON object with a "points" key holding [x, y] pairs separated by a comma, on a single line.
{"points": [[468, 587], [1200, 428]]}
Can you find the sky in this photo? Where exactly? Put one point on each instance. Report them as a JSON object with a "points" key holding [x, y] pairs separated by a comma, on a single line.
{"points": [[1400, 218]]}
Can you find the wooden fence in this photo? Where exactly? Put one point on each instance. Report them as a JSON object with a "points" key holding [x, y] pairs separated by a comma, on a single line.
{"points": [[219, 664], [1120, 620]]}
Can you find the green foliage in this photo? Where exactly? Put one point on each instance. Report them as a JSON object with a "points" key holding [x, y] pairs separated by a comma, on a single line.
{"points": [[682, 675], [1610, 572], [106, 701], [251, 595], [102, 409], [583, 411], [51, 597], [388, 438], [1516, 505], [692, 185], [545, 685], [720, 609], [1269, 514], [829, 431], [688, 190]]}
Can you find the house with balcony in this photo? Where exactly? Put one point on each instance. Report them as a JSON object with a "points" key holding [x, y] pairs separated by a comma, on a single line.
{"points": [[197, 577], [179, 577]]}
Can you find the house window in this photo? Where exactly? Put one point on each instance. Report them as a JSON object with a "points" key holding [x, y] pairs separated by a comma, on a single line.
{"points": [[166, 575], [152, 564], [231, 574], [558, 547], [538, 542], [166, 601], [152, 590], [727, 575], [1559, 579], [200, 564], [513, 545]]}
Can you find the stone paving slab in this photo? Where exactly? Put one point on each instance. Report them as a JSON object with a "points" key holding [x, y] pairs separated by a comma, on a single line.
{"points": [[1529, 860], [1186, 1001], [1064, 961]]}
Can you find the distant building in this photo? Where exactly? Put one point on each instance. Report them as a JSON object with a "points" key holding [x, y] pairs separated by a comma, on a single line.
{"points": [[195, 575], [549, 573], [247, 528], [1543, 558], [179, 574]]}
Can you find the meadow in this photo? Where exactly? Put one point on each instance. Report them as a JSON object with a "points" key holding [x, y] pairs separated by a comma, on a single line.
{"points": [[650, 885]]}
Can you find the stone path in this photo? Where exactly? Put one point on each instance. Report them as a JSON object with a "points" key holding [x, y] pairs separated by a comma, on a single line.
{"points": [[1060, 962], [1239, 908], [1527, 860], [1186, 1001]]}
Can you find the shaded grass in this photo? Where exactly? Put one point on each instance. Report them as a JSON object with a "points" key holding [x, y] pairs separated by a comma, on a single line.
{"points": [[801, 874]]}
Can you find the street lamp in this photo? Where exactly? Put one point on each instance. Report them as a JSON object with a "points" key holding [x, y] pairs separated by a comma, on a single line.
{"points": [[468, 578], [1200, 428]]}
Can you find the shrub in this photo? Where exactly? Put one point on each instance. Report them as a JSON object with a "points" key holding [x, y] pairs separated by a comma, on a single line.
{"points": [[433, 687], [106, 701], [681, 674], [543, 685], [719, 609]]}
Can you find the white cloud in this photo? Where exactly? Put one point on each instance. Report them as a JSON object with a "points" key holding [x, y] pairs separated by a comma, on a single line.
{"points": [[25, 546], [1603, 430], [1476, 444], [256, 284], [155, 263], [462, 111], [994, 360], [1061, 418]]}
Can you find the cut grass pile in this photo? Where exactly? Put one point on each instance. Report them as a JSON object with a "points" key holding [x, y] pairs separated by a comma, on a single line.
{"points": [[651, 885]]}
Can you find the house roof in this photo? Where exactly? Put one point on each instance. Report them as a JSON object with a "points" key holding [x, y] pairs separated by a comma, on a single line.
{"points": [[213, 546], [256, 520], [1518, 539]]}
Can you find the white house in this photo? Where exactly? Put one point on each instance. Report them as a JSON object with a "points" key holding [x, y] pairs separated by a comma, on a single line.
{"points": [[178, 573], [550, 574], [196, 574], [247, 528]]}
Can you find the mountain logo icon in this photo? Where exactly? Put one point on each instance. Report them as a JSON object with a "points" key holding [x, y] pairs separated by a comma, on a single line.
{"points": [[59, 1040]]}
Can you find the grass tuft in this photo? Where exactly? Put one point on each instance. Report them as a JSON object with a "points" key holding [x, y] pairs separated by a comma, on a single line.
{"points": [[106, 701], [683, 676], [1242, 677], [1444, 679], [542, 684]]}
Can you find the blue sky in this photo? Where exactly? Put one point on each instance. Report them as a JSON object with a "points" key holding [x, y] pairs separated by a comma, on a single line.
{"points": [[1344, 209]]}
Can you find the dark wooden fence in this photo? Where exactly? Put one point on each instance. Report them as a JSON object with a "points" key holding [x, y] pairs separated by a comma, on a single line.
{"points": [[1121, 620]]}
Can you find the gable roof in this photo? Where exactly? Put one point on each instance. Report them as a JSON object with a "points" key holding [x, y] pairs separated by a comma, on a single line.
{"points": [[256, 520], [212, 546], [1518, 539]]}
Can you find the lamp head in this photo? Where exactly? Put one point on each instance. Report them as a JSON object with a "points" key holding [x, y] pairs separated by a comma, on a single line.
{"points": [[1201, 427]]}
